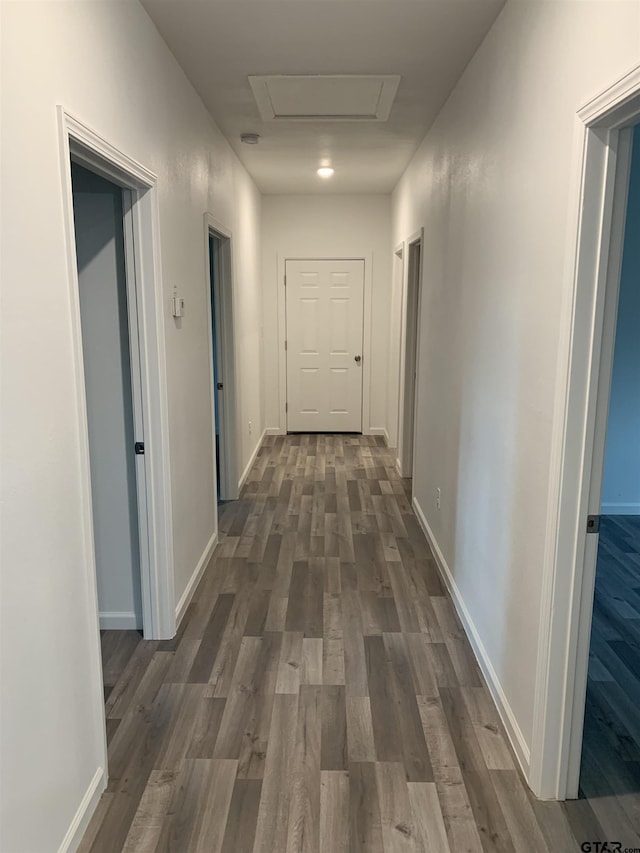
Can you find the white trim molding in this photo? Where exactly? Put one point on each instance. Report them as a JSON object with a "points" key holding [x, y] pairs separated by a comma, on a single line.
{"points": [[380, 431], [252, 459], [393, 381], [226, 289], [615, 98], [415, 239], [119, 621], [187, 595], [507, 716], [85, 811], [580, 406], [92, 150]]}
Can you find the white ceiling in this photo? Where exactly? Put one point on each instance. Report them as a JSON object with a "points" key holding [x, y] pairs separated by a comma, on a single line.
{"points": [[221, 43]]}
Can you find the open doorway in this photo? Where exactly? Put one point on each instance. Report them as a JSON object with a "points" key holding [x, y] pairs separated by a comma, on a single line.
{"points": [[119, 320], [573, 599], [222, 358], [409, 357], [111, 361], [610, 758]]}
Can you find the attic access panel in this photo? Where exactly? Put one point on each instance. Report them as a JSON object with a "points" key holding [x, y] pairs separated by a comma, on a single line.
{"points": [[335, 97]]}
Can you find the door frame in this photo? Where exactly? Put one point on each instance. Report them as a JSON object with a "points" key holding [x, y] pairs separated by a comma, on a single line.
{"points": [[393, 382], [405, 467], [229, 490], [281, 260], [140, 201], [600, 178]]}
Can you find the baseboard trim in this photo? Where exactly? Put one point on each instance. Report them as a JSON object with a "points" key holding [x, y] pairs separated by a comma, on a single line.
{"points": [[187, 595], [120, 621], [620, 509], [245, 473], [378, 431], [275, 431], [513, 730], [85, 811]]}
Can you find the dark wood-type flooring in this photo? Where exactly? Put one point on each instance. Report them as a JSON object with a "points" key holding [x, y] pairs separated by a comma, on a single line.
{"points": [[320, 696], [610, 771]]}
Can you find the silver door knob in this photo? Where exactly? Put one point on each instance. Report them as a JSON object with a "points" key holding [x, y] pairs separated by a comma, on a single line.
{"points": [[358, 359]]}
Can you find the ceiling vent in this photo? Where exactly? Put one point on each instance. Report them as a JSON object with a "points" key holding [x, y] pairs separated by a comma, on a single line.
{"points": [[335, 97]]}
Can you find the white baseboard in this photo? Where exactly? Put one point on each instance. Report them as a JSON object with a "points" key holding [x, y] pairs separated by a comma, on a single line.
{"points": [[378, 431], [620, 509], [245, 473], [275, 431], [399, 466], [120, 621], [85, 811], [187, 595], [514, 732]]}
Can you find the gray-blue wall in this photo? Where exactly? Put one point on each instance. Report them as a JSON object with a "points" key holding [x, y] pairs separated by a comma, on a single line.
{"points": [[621, 487]]}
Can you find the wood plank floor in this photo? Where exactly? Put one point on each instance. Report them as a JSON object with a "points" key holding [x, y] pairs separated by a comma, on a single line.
{"points": [[321, 696], [117, 648], [610, 771]]}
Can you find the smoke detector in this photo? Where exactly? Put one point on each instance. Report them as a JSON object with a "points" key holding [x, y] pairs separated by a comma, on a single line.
{"points": [[250, 138]]}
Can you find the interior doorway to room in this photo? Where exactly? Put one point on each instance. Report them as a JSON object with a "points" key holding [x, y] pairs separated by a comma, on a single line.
{"points": [[111, 361], [571, 604], [409, 358], [610, 762], [324, 345], [218, 385], [133, 223], [220, 300]]}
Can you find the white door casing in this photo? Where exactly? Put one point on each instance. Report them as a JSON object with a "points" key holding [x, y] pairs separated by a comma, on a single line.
{"points": [[225, 400], [324, 334], [141, 215], [585, 358], [409, 346]]}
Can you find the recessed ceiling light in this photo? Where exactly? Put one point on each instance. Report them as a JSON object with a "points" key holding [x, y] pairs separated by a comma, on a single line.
{"points": [[325, 171]]}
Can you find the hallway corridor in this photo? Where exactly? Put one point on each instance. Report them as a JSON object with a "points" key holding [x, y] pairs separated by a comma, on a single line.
{"points": [[321, 695]]}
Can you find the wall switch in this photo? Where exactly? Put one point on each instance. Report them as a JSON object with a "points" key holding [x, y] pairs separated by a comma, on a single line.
{"points": [[437, 498]]}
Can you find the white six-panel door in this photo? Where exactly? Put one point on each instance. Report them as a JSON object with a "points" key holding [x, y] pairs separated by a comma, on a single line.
{"points": [[324, 306]]}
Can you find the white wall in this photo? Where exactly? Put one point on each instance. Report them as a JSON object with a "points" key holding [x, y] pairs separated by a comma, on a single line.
{"points": [[106, 63], [102, 283], [490, 184], [324, 226], [621, 483]]}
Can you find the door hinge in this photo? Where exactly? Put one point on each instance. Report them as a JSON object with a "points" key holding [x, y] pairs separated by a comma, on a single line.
{"points": [[285, 281], [139, 448], [593, 523], [285, 346], [286, 407]]}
